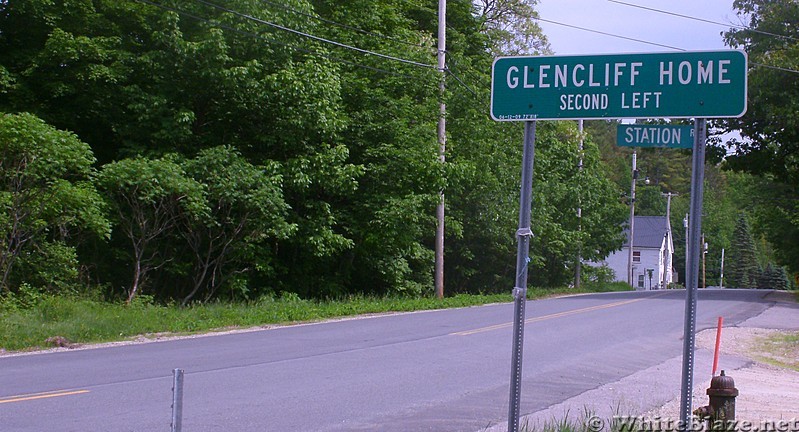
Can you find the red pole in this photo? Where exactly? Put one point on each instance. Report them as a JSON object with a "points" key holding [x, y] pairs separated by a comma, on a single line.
{"points": [[718, 343]]}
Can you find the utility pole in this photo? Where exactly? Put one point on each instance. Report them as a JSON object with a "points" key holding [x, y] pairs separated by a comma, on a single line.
{"points": [[667, 264], [721, 277], [442, 144], [632, 221], [579, 264], [668, 205], [704, 253], [685, 224]]}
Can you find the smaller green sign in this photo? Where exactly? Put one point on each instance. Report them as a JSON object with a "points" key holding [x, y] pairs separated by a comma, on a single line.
{"points": [[666, 136]]}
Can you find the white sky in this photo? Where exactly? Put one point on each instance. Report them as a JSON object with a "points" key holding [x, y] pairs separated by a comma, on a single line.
{"points": [[609, 17]]}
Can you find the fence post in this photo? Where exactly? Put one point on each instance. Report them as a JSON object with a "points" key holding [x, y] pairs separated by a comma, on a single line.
{"points": [[177, 400]]}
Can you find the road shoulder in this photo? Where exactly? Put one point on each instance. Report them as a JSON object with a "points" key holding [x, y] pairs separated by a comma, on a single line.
{"points": [[767, 392]]}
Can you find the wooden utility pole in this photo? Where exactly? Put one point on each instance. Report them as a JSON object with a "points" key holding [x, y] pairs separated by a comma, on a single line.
{"points": [[579, 263], [704, 252], [442, 145], [668, 262], [632, 222]]}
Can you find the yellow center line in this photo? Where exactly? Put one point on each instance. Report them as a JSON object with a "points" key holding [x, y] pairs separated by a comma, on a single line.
{"points": [[44, 395], [555, 315]]}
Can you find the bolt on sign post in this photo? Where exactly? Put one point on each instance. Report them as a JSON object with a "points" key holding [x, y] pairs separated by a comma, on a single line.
{"points": [[699, 85]]}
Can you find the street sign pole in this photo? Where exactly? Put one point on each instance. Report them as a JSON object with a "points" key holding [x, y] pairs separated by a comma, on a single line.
{"points": [[524, 234], [699, 85], [692, 273]]}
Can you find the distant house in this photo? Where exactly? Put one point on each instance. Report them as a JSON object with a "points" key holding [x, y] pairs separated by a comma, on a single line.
{"points": [[653, 249]]}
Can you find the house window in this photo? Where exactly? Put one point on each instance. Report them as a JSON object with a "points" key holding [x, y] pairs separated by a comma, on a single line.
{"points": [[640, 281], [637, 256]]}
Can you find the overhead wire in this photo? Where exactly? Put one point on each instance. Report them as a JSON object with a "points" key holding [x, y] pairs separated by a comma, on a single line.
{"points": [[316, 38], [452, 74], [337, 24], [465, 69], [271, 41], [653, 43], [608, 34], [741, 27]]}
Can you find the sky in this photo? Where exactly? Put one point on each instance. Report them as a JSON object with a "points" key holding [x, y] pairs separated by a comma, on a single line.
{"points": [[609, 17]]}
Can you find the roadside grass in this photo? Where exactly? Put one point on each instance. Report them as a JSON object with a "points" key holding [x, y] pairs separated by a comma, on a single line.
{"points": [[27, 322], [780, 350], [588, 421]]}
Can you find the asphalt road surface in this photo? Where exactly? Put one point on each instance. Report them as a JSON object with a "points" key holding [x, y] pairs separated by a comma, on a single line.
{"points": [[427, 371]]}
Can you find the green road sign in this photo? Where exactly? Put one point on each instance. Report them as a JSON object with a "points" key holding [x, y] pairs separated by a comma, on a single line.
{"points": [[701, 84], [670, 136]]}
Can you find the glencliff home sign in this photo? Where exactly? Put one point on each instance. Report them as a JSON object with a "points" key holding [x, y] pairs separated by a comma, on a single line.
{"points": [[702, 84]]}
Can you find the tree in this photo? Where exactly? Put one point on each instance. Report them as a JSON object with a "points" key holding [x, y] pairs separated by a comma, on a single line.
{"points": [[46, 198], [135, 79], [343, 141], [743, 270], [774, 277], [770, 145], [245, 209], [559, 188], [149, 197], [512, 27]]}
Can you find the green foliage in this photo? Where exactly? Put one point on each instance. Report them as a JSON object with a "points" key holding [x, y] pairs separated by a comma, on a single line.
{"points": [[149, 197], [774, 277], [46, 201], [743, 270], [53, 266], [245, 209], [770, 147], [599, 276], [512, 27], [237, 157], [558, 189], [773, 93]]}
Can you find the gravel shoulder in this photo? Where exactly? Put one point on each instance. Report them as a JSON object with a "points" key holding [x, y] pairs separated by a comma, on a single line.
{"points": [[767, 392], [768, 386]]}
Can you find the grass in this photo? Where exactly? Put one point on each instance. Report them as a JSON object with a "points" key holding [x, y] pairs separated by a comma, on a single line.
{"points": [[780, 350], [27, 323], [588, 421]]}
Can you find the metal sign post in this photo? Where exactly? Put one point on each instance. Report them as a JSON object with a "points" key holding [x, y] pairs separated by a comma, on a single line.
{"points": [[699, 84], [692, 273], [520, 290]]}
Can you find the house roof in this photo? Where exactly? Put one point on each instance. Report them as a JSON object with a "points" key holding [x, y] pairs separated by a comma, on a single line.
{"points": [[649, 232]]}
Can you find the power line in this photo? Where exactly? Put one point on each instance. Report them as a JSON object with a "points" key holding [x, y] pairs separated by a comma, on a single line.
{"points": [[775, 68], [467, 70], [608, 34], [742, 27], [317, 38], [348, 27], [447, 70], [655, 43], [270, 41]]}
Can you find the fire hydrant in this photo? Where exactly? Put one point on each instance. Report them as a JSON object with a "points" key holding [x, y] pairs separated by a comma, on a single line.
{"points": [[720, 413]]}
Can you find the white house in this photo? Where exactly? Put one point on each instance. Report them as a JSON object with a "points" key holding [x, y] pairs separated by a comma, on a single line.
{"points": [[653, 249]]}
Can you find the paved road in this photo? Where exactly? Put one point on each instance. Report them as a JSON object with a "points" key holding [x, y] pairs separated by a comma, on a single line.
{"points": [[428, 371]]}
